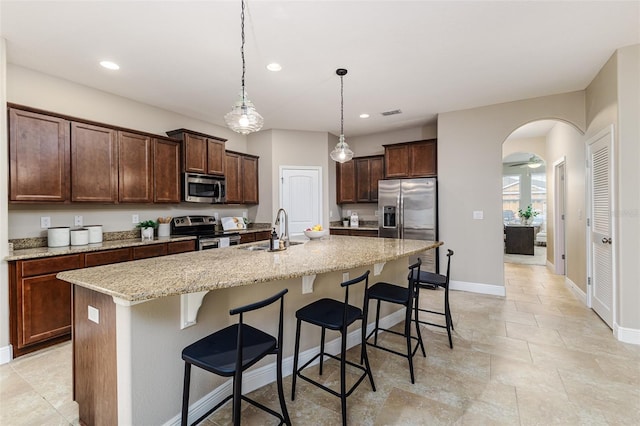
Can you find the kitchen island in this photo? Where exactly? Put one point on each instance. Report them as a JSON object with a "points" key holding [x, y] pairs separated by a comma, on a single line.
{"points": [[132, 320]]}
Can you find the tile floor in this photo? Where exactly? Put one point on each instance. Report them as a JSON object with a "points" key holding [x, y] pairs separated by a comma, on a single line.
{"points": [[536, 357]]}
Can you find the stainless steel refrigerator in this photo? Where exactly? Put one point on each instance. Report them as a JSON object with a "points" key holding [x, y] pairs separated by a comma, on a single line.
{"points": [[408, 209]]}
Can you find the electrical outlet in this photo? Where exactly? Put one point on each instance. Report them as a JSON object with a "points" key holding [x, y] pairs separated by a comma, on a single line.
{"points": [[77, 221], [45, 222], [135, 218], [478, 214]]}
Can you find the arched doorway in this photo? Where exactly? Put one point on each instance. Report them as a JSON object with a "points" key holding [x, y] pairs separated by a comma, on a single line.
{"points": [[551, 153]]}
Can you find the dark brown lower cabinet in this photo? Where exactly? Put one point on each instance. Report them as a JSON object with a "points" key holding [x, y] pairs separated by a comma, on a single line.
{"points": [[40, 304], [355, 232]]}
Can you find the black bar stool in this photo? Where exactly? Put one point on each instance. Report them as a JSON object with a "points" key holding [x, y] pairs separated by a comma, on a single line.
{"points": [[232, 350], [334, 315], [391, 293], [429, 280]]}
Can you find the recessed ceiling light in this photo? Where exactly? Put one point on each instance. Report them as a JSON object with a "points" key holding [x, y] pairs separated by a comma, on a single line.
{"points": [[365, 115], [110, 65], [274, 67]]}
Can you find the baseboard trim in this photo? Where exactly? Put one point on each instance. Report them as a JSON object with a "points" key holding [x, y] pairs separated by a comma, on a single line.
{"points": [[6, 354], [492, 289], [264, 375], [577, 291], [626, 335]]}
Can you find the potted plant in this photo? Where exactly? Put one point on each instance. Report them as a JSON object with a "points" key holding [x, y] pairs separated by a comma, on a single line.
{"points": [[147, 227], [527, 215], [345, 221]]}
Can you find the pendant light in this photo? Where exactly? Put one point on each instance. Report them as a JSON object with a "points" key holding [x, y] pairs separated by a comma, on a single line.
{"points": [[341, 153], [243, 117]]}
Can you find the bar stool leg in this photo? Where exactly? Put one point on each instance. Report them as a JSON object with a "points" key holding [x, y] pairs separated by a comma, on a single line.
{"points": [[416, 312], [322, 349], [283, 405], [375, 339], [185, 394], [407, 333], [295, 362], [237, 396], [343, 376]]}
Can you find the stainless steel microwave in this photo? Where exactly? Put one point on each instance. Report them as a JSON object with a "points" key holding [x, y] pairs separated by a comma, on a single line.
{"points": [[199, 188]]}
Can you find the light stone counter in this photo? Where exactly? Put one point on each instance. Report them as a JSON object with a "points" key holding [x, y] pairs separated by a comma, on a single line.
{"points": [[235, 266], [39, 252]]}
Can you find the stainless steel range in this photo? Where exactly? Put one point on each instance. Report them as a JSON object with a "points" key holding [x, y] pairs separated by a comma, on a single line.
{"points": [[203, 227]]}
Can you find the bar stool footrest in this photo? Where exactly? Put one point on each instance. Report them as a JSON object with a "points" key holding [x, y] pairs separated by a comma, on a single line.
{"points": [[375, 345], [320, 385]]}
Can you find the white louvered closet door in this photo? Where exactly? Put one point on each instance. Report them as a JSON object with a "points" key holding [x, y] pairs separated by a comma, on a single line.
{"points": [[602, 290]]}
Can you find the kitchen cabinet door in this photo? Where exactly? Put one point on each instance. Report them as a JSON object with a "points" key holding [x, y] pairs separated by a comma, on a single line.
{"points": [[423, 159], [135, 168], [166, 171], [345, 182], [39, 157], [376, 166], [396, 161], [39, 303], [250, 179], [94, 163], [215, 157], [233, 175], [152, 250], [247, 238], [368, 171], [195, 153], [262, 235]]}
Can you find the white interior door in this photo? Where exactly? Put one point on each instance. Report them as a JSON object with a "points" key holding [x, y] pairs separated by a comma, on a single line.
{"points": [[301, 197], [601, 230]]}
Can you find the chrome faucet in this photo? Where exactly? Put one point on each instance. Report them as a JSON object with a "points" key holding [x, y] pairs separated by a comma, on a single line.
{"points": [[285, 236]]}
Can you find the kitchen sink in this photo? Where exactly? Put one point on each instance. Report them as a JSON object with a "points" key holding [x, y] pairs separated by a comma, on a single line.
{"points": [[265, 247]]}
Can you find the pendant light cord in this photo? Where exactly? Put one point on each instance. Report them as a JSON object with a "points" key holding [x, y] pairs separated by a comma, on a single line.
{"points": [[341, 106], [242, 52]]}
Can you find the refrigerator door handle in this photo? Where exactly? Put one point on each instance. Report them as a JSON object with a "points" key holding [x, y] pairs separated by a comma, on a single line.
{"points": [[400, 216]]}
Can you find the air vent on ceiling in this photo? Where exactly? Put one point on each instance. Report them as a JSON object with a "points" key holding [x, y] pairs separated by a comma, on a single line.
{"points": [[392, 112]]}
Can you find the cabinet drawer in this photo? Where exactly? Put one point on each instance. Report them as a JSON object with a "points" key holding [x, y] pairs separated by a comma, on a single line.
{"points": [[181, 246], [339, 232], [107, 257], [50, 265], [149, 251], [247, 238], [262, 235], [363, 233]]}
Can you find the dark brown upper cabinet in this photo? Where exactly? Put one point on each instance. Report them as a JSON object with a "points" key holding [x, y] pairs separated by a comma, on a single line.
{"points": [[411, 159], [241, 174], [39, 157], [201, 153], [357, 180], [135, 168], [166, 171], [94, 163]]}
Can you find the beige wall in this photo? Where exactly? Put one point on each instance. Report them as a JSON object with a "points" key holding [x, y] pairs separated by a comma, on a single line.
{"points": [[565, 142], [627, 211], [535, 146], [261, 144], [470, 151]]}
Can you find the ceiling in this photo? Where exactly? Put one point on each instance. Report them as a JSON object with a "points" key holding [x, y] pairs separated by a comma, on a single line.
{"points": [[422, 57]]}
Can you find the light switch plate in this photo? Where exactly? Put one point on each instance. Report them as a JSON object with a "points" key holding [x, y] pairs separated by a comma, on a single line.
{"points": [[94, 314], [77, 221], [478, 214], [135, 218]]}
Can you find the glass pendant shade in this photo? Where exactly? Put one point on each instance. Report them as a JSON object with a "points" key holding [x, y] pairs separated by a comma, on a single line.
{"points": [[243, 117], [341, 153]]}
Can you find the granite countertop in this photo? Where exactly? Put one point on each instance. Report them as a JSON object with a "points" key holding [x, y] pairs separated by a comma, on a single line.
{"points": [[38, 252], [234, 266]]}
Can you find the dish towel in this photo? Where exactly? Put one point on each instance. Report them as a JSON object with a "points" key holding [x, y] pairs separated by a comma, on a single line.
{"points": [[224, 242]]}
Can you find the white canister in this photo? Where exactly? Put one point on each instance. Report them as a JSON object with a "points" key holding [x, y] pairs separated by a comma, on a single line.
{"points": [[164, 229], [58, 236], [79, 237], [95, 233]]}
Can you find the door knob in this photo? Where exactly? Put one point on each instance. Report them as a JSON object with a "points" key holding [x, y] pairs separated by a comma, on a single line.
{"points": [[606, 240]]}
